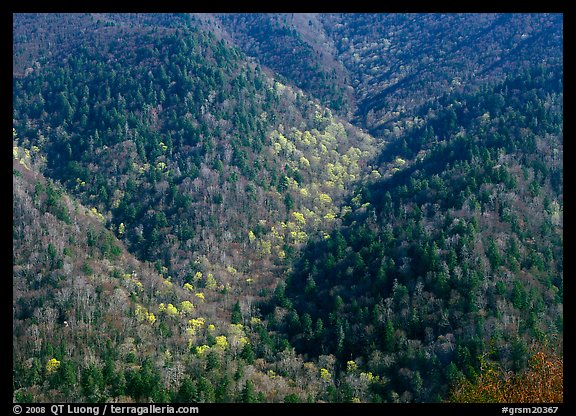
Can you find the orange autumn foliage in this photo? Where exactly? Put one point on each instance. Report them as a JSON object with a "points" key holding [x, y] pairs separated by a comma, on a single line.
{"points": [[540, 382]]}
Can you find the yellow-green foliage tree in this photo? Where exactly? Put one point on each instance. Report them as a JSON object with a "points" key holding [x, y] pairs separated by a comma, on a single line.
{"points": [[52, 366]]}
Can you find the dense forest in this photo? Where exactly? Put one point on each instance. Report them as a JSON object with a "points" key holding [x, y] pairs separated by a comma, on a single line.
{"points": [[286, 207], [455, 255]]}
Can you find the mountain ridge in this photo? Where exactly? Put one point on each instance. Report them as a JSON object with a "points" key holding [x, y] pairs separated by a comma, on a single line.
{"points": [[272, 226]]}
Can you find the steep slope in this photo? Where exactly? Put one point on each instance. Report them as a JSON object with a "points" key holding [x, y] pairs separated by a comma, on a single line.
{"points": [[167, 186], [184, 146], [397, 62], [294, 46], [91, 323], [40, 37], [77, 333], [453, 258], [205, 168], [382, 67]]}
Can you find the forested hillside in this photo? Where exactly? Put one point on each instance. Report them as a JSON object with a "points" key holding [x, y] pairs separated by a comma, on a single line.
{"points": [[297, 47], [283, 208], [455, 257], [184, 146], [204, 167], [397, 62]]}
